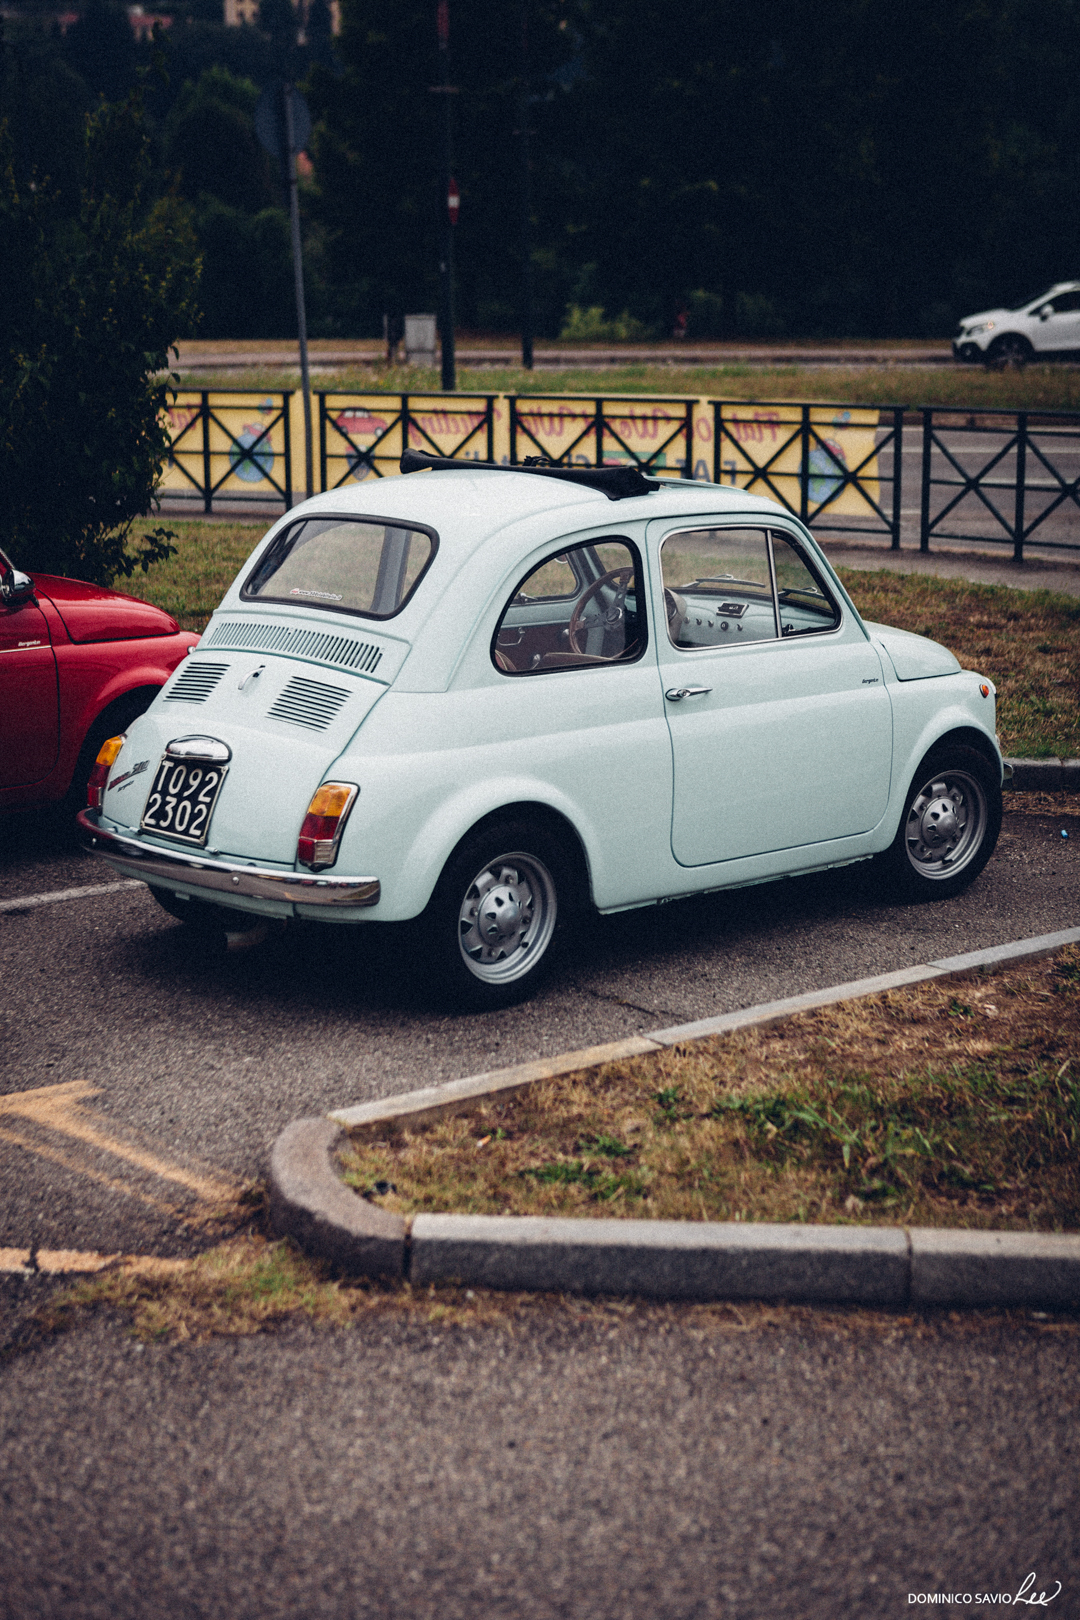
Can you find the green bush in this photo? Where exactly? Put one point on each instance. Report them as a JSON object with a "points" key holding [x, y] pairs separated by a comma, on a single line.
{"points": [[593, 326], [97, 286]]}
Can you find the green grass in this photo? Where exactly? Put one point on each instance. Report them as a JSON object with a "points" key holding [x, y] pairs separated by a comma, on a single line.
{"points": [[1038, 387], [937, 1105], [1027, 642], [191, 584]]}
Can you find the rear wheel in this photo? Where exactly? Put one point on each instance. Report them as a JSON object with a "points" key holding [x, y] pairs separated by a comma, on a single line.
{"points": [[1010, 350], [506, 901], [222, 927], [950, 824]]}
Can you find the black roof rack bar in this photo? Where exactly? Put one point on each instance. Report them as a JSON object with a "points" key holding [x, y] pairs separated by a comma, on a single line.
{"points": [[617, 483]]}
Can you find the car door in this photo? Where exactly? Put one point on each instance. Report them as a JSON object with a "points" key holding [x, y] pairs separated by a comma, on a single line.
{"points": [[780, 724], [1058, 325], [29, 699]]}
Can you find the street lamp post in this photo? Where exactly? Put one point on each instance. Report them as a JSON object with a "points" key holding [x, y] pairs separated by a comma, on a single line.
{"points": [[451, 199], [526, 201]]}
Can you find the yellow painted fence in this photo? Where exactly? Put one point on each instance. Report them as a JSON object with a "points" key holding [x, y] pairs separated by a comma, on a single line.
{"points": [[827, 463]]}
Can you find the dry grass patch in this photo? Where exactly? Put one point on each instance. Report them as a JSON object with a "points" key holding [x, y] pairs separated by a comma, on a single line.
{"points": [[1027, 642], [251, 1285], [951, 1104]]}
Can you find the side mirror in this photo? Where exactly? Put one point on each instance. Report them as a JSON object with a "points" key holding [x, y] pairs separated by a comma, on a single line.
{"points": [[15, 588], [1046, 311]]}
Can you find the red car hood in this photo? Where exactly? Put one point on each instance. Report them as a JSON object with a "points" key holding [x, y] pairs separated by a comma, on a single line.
{"points": [[95, 613]]}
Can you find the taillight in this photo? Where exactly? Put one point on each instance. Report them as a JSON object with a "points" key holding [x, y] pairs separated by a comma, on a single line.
{"points": [[324, 824], [99, 776]]}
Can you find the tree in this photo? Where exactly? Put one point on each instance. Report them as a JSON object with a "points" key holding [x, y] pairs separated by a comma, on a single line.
{"points": [[97, 286]]}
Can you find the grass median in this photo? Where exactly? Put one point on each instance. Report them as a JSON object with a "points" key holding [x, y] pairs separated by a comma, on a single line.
{"points": [[946, 1104], [1027, 642], [1045, 387]]}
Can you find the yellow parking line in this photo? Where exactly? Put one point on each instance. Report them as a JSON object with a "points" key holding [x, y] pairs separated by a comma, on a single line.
{"points": [[60, 1261], [64, 1160], [56, 1108]]}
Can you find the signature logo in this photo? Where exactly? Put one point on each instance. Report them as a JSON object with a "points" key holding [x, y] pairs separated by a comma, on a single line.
{"points": [[1041, 1600], [1026, 1595]]}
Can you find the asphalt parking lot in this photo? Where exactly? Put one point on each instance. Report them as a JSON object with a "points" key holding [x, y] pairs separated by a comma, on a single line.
{"points": [[580, 1460], [180, 1059]]}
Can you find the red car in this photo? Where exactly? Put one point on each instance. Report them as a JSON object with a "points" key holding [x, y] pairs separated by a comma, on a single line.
{"points": [[78, 663]]}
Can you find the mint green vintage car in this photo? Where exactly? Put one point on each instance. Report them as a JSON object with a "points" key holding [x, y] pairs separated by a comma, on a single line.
{"points": [[481, 700]]}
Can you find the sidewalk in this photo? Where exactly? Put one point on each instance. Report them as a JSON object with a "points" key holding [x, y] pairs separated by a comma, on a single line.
{"points": [[1045, 572]]}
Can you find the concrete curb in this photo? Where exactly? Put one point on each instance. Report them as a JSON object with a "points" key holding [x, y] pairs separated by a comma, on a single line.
{"points": [[676, 1260], [310, 1202], [1045, 775], [455, 1096]]}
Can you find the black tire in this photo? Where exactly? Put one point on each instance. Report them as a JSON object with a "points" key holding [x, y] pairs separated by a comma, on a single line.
{"points": [[505, 903], [1009, 350], [950, 824], [123, 713], [214, 923]]}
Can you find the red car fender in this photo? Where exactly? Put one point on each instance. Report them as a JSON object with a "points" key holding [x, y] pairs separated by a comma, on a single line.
{"points": [[94, 677]]}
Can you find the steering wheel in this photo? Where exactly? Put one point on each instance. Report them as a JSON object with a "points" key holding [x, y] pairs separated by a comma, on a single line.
{"points": [[611, 616]]}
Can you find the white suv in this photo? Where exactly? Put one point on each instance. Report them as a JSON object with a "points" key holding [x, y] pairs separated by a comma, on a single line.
{"points": [[1045, 326]]}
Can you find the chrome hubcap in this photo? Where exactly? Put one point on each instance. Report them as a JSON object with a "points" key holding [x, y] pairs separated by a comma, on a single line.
{"points": [[946, 824], [507, 918]]}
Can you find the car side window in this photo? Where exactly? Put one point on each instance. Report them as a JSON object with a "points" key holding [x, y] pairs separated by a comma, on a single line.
{"points": [[581, 606], [728, 587], [805, 605], [718, 587]]}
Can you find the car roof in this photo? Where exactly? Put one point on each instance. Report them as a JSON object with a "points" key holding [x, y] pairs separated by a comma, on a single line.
{"points": [[486, 520], [470, 507]]}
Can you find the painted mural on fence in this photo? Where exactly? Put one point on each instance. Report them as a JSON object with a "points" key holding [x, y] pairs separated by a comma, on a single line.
{"points": [[751, 446]]}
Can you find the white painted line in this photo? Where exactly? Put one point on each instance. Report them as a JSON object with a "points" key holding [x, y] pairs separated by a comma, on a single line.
{"points": [[25, 902]]}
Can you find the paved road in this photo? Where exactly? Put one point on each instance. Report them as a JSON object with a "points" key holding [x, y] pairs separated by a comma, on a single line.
{"points": [[200, 1060], [585, 1463], [196, 356]]}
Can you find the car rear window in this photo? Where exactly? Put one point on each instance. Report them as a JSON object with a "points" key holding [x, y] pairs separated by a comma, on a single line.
{"points": [[349, 565]]}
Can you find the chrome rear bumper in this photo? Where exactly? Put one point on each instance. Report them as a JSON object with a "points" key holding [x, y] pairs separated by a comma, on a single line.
{"points": [[191, 870]]}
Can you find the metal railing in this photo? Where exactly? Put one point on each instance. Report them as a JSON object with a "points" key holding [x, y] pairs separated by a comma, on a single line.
{"points": [[993, 477], [1018, 487], [825, 463], [362, 435], [656, 435], [217, 459]]}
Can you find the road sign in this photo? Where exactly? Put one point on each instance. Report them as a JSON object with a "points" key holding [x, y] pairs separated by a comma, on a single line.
{"points": [[269, 116], [453, 201]]}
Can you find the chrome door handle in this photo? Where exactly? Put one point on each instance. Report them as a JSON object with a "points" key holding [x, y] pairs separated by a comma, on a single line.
{"points": [[675, 694]]}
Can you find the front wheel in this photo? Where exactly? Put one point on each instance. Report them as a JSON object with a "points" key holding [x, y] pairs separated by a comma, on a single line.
{"points": [[1012, 350], [950, 824], [500, 910]]}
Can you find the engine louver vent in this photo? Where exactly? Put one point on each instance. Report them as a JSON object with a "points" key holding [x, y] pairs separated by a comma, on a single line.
{"points": [[323, 646], [308, 703], [195, 682]]}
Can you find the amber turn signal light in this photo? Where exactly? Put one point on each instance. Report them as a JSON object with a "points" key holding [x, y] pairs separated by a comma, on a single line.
{"points": [[99, 776], [324, 824]]}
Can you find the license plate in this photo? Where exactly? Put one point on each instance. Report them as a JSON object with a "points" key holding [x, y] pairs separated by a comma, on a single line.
{"points": [[182, 799]]}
